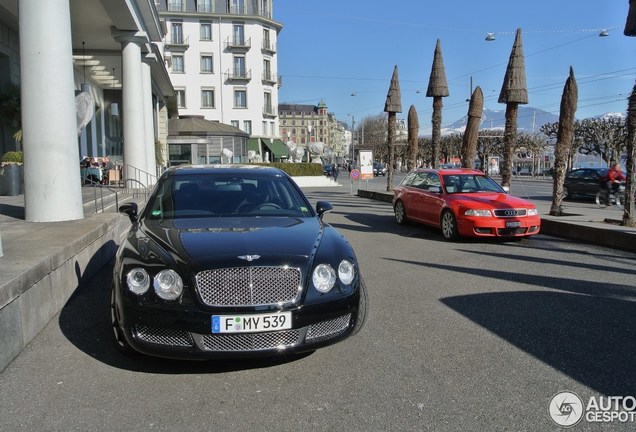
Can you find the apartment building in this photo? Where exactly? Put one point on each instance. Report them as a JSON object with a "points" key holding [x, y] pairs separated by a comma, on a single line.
{"points": [[222, 61], [304, 124]]}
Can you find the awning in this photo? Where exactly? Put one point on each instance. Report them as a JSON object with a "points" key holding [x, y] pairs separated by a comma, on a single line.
{"points": [[252, 144], [276, 147]]}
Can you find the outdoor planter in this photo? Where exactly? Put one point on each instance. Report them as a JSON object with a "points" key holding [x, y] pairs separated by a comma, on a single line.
{"points": [[11, 179]]}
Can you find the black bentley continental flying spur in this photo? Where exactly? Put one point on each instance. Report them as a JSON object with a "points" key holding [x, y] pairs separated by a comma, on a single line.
{"points": [[233, 261]]}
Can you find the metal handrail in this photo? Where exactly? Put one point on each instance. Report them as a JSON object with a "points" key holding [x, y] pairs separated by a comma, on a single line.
{"points": [[101, 187]]}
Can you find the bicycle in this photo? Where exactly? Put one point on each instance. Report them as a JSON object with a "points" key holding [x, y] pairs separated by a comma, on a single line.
{"points": [[604, 198]]}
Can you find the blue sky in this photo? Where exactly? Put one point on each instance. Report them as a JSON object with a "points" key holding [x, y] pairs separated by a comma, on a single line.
{"points": [[329, 49]]}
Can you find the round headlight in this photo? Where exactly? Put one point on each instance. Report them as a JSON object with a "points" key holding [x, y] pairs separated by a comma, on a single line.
{"points": [[346, 272], [138, 280], [168, 284], [324, 278]]}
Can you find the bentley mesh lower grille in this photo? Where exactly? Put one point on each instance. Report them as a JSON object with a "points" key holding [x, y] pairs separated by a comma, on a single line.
{"points": [[249, 286], [161, 336], [328, 328], [251, 341]]}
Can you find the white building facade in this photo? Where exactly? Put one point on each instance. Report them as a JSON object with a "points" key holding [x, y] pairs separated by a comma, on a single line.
{"points": [[222, 61]]}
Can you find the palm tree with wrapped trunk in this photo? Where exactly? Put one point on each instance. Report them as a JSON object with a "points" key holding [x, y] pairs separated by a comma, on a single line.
{"points": [[392, 106], [413, 130], [513, 92], [437, 89], [471, 134], [565, 137], [630, 186]]}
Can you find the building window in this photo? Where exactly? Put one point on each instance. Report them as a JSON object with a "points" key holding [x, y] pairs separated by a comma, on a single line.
{"points": [[205, 31], [268, 108], [239, 67], [240, 98], [234, 123], [206, 63], [176, 33], [204, 6], [267, 44], [247, 126], [181, 100], [207, 98], [267, 70], [175, 5], [264, 126], [239, 35], [236, 6], [177, 63]]}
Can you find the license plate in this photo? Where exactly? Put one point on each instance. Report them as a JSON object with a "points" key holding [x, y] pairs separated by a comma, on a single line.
{"points": [[513, 224], [251, 323]]}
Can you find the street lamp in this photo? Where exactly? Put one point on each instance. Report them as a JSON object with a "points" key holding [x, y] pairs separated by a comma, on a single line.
{"points": [[353, 131]]}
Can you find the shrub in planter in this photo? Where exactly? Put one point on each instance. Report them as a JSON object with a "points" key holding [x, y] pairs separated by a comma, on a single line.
{"points": [[12, 157]]}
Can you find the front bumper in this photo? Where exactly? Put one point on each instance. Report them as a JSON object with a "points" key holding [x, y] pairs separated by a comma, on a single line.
{"points": [[186, 334], [499, 227]]}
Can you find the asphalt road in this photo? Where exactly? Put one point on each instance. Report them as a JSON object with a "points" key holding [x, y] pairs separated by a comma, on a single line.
{"points": [[470, 336]]}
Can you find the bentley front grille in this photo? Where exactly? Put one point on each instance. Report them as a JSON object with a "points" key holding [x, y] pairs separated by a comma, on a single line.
{"points": [[249, 286], [251, 341], [329, 328], [166, 337]]}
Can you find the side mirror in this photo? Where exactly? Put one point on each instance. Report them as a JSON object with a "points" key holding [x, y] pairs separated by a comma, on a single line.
{"points": [[506, 189], [131, 210], [323, 207]]}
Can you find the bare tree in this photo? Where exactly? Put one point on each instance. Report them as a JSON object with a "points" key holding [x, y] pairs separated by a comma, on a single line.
{"points": [[469, 144], [513, 93], [565, 137], [606, 137]]}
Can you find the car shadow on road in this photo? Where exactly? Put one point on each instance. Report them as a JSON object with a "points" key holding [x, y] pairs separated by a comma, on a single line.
{"points": [[583, 329], [85, 322]]}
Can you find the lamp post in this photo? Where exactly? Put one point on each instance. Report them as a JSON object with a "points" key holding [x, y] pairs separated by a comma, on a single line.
{"points": [[353, 131]]}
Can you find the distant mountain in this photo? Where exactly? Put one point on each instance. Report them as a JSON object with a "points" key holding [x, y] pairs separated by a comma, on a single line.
{"points": [[611, 115], [529, 119]]}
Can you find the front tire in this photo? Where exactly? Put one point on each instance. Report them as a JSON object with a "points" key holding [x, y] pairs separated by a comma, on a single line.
{"points": [[449, 226], [400, 213]]}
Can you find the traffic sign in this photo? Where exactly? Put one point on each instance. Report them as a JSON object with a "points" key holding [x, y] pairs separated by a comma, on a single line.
{"points": [[354, 174]]}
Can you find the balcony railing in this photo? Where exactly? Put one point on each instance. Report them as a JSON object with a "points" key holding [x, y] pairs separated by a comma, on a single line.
{"points": [[269, 111], [238, 44], [177, 40], [238, 75], [269, 78], [268, 46]]}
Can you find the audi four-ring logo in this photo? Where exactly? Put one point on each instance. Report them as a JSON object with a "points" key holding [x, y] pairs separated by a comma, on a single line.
{"points": [[511, 213]]}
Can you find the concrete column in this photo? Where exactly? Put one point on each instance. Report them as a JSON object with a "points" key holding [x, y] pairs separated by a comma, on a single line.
{"points": [[133, 116], [148, 116], [52, 189]]}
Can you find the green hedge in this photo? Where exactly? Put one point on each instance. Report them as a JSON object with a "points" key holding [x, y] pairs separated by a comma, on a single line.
{"points": [[296, 169], [12, 157]]}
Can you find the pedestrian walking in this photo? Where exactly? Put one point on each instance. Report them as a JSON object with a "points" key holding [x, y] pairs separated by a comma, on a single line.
{"points": [[335, 171]]}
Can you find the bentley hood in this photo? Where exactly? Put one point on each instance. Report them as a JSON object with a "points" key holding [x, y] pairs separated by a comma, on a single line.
{"points": [[213, 242]]}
